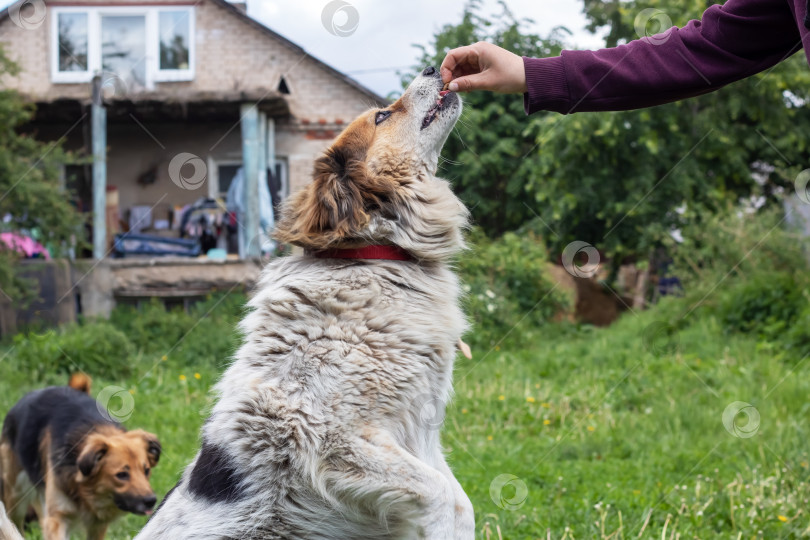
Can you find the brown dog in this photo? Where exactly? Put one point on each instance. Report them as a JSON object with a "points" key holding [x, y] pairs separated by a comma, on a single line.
{"points": [[62, 454]]}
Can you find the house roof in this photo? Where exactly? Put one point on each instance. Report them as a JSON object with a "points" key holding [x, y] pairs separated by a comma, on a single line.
{"points": [[278, 37]]}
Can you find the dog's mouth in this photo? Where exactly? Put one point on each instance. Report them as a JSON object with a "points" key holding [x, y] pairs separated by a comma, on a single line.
{"points": [[137, 507], [446, 98]]}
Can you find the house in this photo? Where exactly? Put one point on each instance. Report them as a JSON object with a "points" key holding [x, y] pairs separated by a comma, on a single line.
{"points": [[166, 100]]}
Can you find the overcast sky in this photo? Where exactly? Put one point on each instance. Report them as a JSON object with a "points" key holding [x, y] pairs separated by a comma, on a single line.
{"points": [[386, 30], [382, 36]]}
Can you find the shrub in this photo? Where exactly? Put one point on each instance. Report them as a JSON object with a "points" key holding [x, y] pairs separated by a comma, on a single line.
{"points": [[207, 334], [507, 285], [764, 305], [98, 349]]}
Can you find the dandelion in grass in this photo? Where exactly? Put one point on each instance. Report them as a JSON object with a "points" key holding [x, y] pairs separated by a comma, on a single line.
{"points": [[489, 437], [182, 378], [546, 422], [591, 428], [464, 411], [546, 405], [164, 358], [530, 399], [783, 519], [501, 397], [197, 376]]}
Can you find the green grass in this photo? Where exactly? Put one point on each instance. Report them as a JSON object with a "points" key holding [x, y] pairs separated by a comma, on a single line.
{"points": [[608, 439]]}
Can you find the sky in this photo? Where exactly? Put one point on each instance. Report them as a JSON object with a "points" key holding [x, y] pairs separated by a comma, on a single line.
{"points": [[381, 33]]}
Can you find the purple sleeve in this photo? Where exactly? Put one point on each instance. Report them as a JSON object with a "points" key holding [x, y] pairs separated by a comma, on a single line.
{"points": [[731, 42]]}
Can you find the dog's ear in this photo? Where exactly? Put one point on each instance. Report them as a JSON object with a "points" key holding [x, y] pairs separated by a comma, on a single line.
{"points": [[336, 205], [153, 447], [89, 461]]}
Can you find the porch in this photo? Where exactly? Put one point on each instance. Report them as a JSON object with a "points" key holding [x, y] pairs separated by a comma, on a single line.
{"points": [[162, 165]]}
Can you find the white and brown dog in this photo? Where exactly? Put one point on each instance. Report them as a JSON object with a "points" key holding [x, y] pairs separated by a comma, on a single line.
{"points": [[319, 432]]}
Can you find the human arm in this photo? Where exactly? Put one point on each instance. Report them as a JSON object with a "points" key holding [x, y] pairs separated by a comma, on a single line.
{"points": [[730, 42]]}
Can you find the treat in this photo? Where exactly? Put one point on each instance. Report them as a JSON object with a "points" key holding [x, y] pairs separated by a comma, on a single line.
{"points": [[446, 86]]}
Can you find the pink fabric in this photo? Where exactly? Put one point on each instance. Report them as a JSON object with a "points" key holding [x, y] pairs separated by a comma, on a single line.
{"points": [[24, 245]]}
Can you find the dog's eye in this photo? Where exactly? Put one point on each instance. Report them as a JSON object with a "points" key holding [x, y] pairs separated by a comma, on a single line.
{"points": [[381, 115], [123, 475]]}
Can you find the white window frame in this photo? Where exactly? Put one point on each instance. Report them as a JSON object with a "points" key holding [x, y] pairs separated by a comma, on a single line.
{"points": [[152, 57]]}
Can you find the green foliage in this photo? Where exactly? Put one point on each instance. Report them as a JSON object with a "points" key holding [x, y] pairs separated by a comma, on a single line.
{"points": [[615, 179], [748, 269], [484, 155], [190, 338], [29, 184], [508, 291], [764, 304], [134, 341], [99, 348], [605, 435]]}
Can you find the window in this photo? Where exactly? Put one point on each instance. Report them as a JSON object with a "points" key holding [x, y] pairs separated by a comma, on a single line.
{"points": [[123, 48], [223, 172], [137, 45], [72, 39], [174, 40]]}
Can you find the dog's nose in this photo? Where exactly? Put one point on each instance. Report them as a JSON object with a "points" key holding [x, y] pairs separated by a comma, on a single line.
{"points": [[429, 71], [149, 501]]}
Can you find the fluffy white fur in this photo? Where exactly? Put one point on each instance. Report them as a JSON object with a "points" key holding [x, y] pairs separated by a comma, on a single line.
{"points": [[7, 529], [323, 411]]}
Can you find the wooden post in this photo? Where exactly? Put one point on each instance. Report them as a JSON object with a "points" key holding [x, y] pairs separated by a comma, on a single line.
{"points": [[271, 145], [98, 115], [250, 165]]}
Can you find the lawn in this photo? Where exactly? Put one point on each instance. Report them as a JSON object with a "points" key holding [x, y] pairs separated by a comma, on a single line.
{"points": [[576, 432]]}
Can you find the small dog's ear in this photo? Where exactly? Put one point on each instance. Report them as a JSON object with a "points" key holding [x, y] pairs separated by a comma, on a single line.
{"points": [[91, 455], [153, 447]]}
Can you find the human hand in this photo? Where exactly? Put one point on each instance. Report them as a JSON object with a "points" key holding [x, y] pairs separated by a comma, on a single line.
{"points": [[483, 66]]}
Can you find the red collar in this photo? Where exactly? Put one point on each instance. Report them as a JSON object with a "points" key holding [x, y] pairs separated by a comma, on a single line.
{"points": [[391, 253]]}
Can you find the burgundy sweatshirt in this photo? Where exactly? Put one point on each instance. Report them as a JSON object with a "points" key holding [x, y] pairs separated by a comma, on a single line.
{"points": [[730, 42]]}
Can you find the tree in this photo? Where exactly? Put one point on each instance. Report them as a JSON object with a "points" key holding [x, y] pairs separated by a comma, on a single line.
{"points": [[483, 155], [621, 181], [30, 198], [624, 181]]}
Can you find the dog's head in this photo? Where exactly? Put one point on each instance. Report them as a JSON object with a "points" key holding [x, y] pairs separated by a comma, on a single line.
{"points": [[376, 184], [114, 467]]}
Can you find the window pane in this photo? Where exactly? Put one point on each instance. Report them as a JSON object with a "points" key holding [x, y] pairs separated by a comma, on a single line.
{"points": [[174, 39], [72, 41], [123, 47]]}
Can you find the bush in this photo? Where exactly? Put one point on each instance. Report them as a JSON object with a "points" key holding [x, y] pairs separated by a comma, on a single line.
{"points": [[507, 285], [98, 349], [207, 334], [735, 245], [750, 271], [763, 305]]}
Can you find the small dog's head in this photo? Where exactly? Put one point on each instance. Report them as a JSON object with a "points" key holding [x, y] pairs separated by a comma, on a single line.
{"points": [[114, 467], [376, 184]]}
